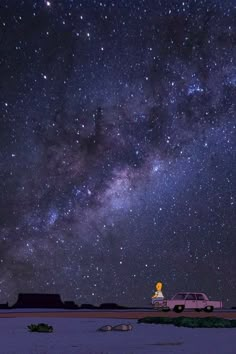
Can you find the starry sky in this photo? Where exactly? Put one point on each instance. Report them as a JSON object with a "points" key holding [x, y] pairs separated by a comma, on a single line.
{"points": [[117, 149]]}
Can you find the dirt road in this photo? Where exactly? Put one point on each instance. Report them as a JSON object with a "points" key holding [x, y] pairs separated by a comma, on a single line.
{"points": [[118, 314]]}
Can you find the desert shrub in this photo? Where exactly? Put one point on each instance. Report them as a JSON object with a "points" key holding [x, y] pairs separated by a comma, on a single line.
{"points": [[192, 322], [40, 327]]}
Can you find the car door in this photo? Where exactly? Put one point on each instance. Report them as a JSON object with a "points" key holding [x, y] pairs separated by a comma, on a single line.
{"points": [[191, 301], [178, 299], [201, 301]]}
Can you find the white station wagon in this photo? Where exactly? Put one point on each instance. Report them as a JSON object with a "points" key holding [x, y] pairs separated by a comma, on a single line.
{"points": [[187, 300]]}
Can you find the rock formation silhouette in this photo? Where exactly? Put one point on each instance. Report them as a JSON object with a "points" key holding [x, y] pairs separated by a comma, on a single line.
{"points": [[111, 306], [4, 306], [70, 305], [38, 301]]}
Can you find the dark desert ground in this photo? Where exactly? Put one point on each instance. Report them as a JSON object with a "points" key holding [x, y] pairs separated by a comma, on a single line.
{"points": [[75, 332]]}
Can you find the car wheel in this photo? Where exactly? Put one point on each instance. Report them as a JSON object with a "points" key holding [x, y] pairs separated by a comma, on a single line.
{"points": [[179, 308], [208, 308]]}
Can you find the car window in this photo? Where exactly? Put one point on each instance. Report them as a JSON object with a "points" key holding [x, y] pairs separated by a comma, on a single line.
{"points": [[191, 297], [200, 297], [179, 297]]}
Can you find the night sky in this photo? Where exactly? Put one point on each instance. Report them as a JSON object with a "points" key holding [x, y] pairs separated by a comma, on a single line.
{"points": [[117, 149]]}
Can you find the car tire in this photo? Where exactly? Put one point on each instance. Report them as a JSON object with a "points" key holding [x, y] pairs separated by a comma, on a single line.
{"points": [[179, 308], [208, 308]]}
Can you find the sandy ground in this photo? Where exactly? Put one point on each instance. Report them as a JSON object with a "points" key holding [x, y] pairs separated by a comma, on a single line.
{"points": [[80, 336]]}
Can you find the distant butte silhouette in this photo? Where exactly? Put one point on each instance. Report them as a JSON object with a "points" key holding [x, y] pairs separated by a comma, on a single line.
{"points": [[70, 305], [88, 306], [53, 301], [38, 301], [4, 306], [111, 305]]}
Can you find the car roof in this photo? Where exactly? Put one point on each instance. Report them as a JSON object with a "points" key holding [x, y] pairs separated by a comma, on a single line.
{"points": [[189, 292]]}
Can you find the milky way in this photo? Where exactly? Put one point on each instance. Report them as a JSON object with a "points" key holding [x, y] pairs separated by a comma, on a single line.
{"points": [[117, 149]]}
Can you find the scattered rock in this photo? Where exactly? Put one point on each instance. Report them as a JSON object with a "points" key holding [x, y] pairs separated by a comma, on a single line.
{"points": [[105, 328], [122, 327]]}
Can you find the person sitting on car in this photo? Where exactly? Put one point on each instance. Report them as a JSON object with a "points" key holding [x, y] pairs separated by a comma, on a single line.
{"points": [[158, 293]]}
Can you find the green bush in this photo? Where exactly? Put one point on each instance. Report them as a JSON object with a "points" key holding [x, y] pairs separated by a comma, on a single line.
{"points": [[192, 322], [40, 327]]}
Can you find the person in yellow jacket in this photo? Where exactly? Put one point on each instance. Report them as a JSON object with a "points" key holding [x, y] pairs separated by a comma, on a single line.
{"points": [[158, 293]]}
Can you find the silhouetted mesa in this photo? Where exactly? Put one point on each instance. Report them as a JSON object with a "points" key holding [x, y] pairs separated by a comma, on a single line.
{"points": [[88, 306], [70, 305], [4, 306], [38, 301], [111, 305]]}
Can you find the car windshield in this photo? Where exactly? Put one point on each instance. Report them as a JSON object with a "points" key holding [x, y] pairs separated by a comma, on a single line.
{"points": [[179, 296]]}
